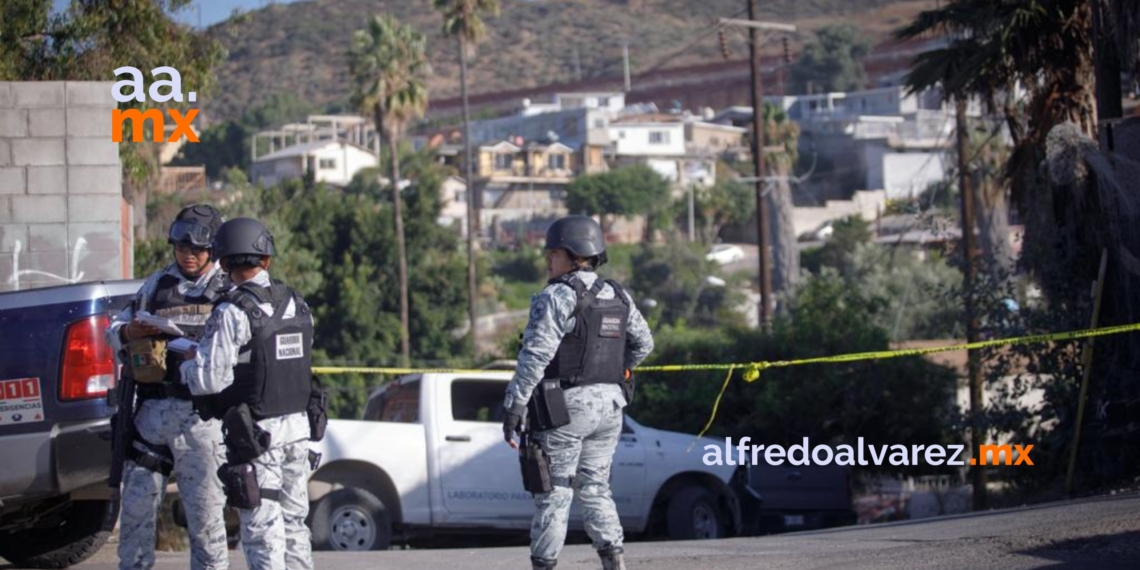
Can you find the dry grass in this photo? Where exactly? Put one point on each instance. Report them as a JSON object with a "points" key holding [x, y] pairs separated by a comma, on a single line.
{"points": [[299, 48]]}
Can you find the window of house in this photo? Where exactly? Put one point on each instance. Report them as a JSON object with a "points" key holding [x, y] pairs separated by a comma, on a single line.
{"points": [[603, 101], [328, 163], [399, 403], [658, 137], [556, 161], [599, 123], [502, 161], [461, 196], [621, 134], [477, 401]]}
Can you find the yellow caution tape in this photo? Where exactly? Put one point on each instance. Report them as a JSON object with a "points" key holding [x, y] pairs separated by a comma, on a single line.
{"points": [[396, 371], [752, 369]]}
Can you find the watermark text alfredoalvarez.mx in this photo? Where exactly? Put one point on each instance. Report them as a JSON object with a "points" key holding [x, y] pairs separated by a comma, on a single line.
{"points": [[863, 454]]}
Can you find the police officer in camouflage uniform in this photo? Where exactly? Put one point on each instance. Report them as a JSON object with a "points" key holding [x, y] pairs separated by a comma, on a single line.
{"points": [[586, 332], [257, 351], [169, 434]]}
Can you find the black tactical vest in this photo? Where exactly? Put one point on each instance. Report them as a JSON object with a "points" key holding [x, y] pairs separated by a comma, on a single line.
{"points": [[189, 313], [594, 352], [274, 372]]}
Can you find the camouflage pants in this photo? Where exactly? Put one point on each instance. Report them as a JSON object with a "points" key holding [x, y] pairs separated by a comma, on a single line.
{"points": [[197, 450], [583, 450], [274, 535]]}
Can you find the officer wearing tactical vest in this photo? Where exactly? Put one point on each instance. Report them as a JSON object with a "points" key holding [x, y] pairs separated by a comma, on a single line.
{"points": [[253, 368], [583, 337], [168, 434]]}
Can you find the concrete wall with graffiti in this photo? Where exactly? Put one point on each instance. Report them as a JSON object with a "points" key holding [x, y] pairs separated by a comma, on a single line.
{"points": [[62, 215]]}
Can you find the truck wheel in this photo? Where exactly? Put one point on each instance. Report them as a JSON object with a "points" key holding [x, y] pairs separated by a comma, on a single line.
{"points": [[694, 515], [351, 519], [77, 536]]}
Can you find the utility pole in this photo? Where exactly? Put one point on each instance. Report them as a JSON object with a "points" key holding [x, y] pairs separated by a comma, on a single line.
{"points": [[1106, 63], [625, 59], [762, 227], [577, 65], [692, 214], [969, 244]]}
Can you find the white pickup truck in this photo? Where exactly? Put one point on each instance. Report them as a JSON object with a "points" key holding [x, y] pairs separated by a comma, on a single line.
{"points": [[428, 459]]}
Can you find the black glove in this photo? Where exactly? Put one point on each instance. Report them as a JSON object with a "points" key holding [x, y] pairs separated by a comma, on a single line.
{"points": [[511, 423]]}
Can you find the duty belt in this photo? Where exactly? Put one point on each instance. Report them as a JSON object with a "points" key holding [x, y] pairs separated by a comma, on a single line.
{"points": [[163, 390]]}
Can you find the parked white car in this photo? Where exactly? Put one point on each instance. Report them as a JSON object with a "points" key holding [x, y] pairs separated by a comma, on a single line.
{"points": [[428, 458], [725, 253]]}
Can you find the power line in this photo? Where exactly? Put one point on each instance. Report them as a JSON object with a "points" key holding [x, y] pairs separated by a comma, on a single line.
{"points": [[713, 29]]}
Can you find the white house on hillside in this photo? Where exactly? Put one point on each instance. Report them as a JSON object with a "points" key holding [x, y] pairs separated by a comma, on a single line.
{"points": [[330, 161]]}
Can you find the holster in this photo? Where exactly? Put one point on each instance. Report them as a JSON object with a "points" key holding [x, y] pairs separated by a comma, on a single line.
{"points": [[239, 481], [244, 440], [147, 359], [317, 410], [547, 407], [535, 466], [628, 388]]}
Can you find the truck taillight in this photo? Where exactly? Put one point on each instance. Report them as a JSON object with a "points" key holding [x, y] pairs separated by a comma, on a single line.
{"points": [[88, 362]]}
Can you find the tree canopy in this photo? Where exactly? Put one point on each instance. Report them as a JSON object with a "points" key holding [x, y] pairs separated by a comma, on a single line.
{"points": [[627, 191], [833, 62]]}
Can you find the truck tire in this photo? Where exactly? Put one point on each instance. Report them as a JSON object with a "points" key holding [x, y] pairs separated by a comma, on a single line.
{"points": [[351, 519], [693, 514], [78, 535]]}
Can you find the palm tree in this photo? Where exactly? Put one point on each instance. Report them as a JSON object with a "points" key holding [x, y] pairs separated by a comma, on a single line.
{"points": [[461, 20], [994, 46], [1045, 46], [783, 134], [388, 62]]}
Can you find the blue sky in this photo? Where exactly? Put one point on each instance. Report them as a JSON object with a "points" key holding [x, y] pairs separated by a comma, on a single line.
{"points": [[213, 11]]}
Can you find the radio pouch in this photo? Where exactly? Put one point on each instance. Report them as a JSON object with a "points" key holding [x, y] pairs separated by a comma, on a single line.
{"points": [[240, 485]]}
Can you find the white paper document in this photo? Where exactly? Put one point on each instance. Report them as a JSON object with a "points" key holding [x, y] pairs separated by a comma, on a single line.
{"points": [[162, 323], [182, 345]]}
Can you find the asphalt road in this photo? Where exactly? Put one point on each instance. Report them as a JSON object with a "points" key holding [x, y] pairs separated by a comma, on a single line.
{"points": [[1102, 533]]}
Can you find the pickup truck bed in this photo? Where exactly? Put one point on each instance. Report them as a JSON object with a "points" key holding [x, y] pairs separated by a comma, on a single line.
{"points": [[55, 369]]}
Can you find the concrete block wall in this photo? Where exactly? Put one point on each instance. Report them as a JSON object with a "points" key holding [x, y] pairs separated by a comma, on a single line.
{"points": [[62, 215]]}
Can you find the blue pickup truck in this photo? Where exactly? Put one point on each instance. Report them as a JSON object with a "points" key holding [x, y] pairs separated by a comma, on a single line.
{"points": [[55, 370]]}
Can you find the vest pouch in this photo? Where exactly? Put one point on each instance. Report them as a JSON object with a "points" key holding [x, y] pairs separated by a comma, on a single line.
{"points": [[147, 360], [547, 408], [240, 485]]}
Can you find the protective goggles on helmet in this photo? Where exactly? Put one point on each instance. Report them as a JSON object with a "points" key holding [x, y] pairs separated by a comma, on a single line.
{"points": [[192, 233]]}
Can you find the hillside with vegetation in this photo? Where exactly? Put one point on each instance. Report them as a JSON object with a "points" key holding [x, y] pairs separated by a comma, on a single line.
{"points": [[299, 48]]}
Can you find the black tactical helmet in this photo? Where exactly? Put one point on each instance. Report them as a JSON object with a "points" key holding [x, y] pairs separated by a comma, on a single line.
{"points": [[196, 225], [580, 236], [243, 236]]}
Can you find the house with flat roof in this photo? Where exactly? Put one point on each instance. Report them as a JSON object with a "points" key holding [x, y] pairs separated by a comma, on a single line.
{"points": [[330, 161]]}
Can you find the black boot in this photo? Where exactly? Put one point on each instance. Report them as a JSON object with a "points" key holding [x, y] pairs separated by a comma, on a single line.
{"points": [[537, 563], [612, 558]]}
